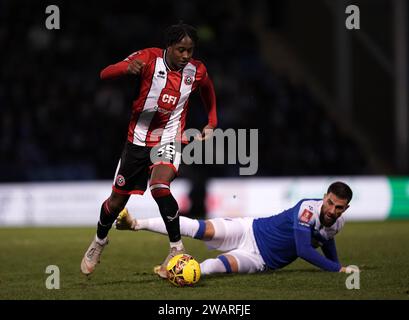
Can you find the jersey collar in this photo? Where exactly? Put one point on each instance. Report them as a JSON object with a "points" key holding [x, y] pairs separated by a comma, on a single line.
{"points": [[318, 222], [166, 64]]}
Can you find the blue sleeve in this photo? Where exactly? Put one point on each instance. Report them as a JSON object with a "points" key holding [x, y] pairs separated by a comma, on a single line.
{"points": [[308, 253], [330, 250]]}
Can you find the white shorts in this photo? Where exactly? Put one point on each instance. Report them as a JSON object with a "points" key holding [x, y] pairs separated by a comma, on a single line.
{"points": [[235, 237]]}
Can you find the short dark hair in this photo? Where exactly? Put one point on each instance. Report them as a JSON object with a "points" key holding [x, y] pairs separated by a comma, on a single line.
{"points": [[341, 190], [177, 32]]}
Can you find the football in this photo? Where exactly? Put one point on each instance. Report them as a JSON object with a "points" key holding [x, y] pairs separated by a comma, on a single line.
{"points": [[183, 270]]}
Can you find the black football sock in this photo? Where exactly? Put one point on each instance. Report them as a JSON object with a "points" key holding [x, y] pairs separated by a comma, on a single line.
{"points": [[106, 219], [169, 211]]}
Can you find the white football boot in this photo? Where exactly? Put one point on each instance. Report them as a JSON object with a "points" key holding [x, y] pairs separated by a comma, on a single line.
{"points": [[161, 270], [92, 257]]}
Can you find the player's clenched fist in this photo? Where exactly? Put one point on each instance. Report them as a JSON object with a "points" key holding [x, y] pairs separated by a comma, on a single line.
{"points": [[207, 132], [135, 66]]}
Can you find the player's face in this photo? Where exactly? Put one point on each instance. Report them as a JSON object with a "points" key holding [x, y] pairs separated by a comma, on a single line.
{"points": [[179, 54], [332, 208]]}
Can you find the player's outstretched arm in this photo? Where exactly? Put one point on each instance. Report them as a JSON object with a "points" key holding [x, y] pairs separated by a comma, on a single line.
{"points": [[308, 253], [114, 71], [206, 133], [330, 250], [209, 101], [122, 68]]}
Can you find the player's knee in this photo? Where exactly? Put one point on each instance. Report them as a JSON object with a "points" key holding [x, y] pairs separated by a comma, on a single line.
{"points": [[159, 188], [162, 173], [230, 263], [160, 192], [168, 206], [117, 202], [115, 205], [209, 231]]}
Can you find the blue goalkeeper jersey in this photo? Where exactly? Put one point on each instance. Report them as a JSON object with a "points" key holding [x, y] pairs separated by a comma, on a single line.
{"points": [[296, 232]]}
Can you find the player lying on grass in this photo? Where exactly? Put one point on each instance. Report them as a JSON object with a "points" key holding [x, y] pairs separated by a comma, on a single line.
{"points": [[254, 244]]}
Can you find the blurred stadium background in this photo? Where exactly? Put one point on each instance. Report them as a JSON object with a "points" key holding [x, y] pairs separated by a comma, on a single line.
{"points": [[328, 102]]}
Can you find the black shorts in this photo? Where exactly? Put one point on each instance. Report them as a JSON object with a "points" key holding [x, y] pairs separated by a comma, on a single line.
{"points": [[136, 163]]}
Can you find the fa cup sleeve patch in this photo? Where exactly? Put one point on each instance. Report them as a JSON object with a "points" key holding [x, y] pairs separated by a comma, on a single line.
{"points": [[306, 216]]}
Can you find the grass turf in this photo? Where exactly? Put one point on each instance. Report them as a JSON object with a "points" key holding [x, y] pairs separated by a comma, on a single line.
{"points": [[125, 272]]}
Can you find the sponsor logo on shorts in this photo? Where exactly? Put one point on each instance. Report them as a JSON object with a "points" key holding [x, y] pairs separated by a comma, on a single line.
{"points": [[120, 180]]}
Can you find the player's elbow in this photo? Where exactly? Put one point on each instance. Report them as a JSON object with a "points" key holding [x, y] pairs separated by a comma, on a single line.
{"points": [[103, 74], [109, 72]]}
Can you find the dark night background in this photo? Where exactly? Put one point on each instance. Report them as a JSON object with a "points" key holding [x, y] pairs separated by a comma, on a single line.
{"points": [[322, 97]]}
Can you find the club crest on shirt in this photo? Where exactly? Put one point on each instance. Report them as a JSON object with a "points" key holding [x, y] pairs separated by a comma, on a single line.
{"points": [[306, 216], [188, 80]]}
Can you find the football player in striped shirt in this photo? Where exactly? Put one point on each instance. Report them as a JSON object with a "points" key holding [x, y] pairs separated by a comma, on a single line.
{"points": [[252, 245], [155, 134]]}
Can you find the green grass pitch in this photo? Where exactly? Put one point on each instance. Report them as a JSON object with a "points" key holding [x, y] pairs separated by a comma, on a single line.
{"points": [[378, 248]]}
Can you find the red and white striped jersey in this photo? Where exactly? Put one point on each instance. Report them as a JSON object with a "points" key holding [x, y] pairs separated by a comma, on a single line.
{"points": [[159, 112]]}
